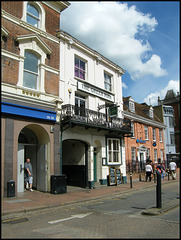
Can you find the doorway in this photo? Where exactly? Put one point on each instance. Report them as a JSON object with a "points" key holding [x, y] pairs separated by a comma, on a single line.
{"points": [[75, 162], [29, 147]]}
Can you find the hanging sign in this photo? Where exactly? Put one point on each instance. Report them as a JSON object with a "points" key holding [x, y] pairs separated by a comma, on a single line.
{"points": [[113, 111]]}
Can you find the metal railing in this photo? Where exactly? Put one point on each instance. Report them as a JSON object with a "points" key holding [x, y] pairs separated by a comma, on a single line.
{"points": [[95, 118], [135, 167]]}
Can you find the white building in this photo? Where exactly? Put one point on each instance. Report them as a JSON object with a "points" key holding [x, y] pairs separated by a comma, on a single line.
{"points": [[91, 140], [168, 114]]}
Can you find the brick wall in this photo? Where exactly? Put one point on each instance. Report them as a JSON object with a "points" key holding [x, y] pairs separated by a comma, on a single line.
{"points": [[10, 67], [13, 7], [52, 83]]}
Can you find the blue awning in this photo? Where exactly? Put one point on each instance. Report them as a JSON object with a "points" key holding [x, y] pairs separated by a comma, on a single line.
{"points": [[27, 111]]}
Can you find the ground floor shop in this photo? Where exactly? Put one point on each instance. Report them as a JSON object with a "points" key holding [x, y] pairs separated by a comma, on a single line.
{"points": [[25, 137]]}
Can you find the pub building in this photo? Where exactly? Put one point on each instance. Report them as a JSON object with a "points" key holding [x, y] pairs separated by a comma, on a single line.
{"points": [[92, 123], [147, 140]]}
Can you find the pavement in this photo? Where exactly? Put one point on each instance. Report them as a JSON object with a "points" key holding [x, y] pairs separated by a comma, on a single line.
{"points": [[36, 200]]}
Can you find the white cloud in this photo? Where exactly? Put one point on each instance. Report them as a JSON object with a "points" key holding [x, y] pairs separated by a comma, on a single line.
{"points": [[152, 98], [124, 85], [118, 32]]}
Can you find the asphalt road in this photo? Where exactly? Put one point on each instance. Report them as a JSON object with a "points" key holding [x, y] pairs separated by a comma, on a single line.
{"points": [[111, 217]]}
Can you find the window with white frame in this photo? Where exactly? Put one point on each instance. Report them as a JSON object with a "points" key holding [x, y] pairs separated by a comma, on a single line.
{"points": [[107, 82], [147, 153], [32, 15], [80, 105], [131, 106], [154, 134], [161, 154], [133, 153], [31, 70], [80, 68], [160, 135], [155, 155], [113, 150], [146, 132], [172, 138], [132, 128], [171, 122]]}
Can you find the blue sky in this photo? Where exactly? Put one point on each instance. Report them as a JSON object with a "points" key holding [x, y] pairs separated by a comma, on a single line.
{"points": [[141, 37]]}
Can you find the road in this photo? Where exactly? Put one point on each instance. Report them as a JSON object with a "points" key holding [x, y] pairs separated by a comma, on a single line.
{"points": [[111, 217]]}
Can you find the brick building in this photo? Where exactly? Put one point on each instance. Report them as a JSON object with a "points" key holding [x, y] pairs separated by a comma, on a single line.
{"points": [[147, 135], [30, 91]]}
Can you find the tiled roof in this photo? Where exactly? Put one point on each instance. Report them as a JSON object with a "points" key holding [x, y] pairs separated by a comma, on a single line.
{"points": [[140, 110]]}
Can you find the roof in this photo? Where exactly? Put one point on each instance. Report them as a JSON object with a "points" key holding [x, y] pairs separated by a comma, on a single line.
{"points": [[140, 110]]}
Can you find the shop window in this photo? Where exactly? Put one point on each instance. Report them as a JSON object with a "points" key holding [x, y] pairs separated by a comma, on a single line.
{"points": [[161, 154], [30, 75], [113, 150], [155, 155], [80, 68], [107, 82]]}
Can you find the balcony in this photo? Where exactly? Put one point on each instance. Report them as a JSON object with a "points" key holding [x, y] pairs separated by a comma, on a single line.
{"points": [[74, 115]]}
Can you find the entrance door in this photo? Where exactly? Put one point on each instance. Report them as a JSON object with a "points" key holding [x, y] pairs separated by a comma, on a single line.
{"points": [[42, 168], [20, 169], [95, 166]]}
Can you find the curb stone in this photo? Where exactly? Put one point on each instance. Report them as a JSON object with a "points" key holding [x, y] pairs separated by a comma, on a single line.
{"points": [[157, 211]]}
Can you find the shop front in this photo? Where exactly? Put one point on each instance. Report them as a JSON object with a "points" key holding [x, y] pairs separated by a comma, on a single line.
{"points": [[26, 133]]}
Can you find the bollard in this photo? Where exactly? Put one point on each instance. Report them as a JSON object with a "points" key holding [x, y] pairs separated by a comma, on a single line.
{"points": [[140, 177], [158, 191], [168, 174], [130, 179]]}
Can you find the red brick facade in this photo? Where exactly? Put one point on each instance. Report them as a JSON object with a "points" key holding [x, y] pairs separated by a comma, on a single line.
{"points": [[10, 67]]}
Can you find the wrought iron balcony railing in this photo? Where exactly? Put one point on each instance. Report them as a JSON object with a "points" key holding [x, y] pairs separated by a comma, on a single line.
{"points": [[92, 118]]}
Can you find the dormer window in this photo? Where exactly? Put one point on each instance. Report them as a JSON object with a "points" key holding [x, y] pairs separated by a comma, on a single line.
{"points": [[151, 112], [131, 105]]}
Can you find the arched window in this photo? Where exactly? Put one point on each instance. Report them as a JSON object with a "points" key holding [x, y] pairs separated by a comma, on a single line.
{"points": [[30, 76], [33, 16]]}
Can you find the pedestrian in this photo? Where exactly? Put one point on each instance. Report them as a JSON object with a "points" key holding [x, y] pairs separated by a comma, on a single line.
{"points": [[173, 167], [159, 169], [149, 171], [163, 170], [28, 168]]}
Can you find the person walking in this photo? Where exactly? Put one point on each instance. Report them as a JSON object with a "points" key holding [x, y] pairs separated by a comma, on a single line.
{"points": [[172, 168], [28, 168], [149, 171]]}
